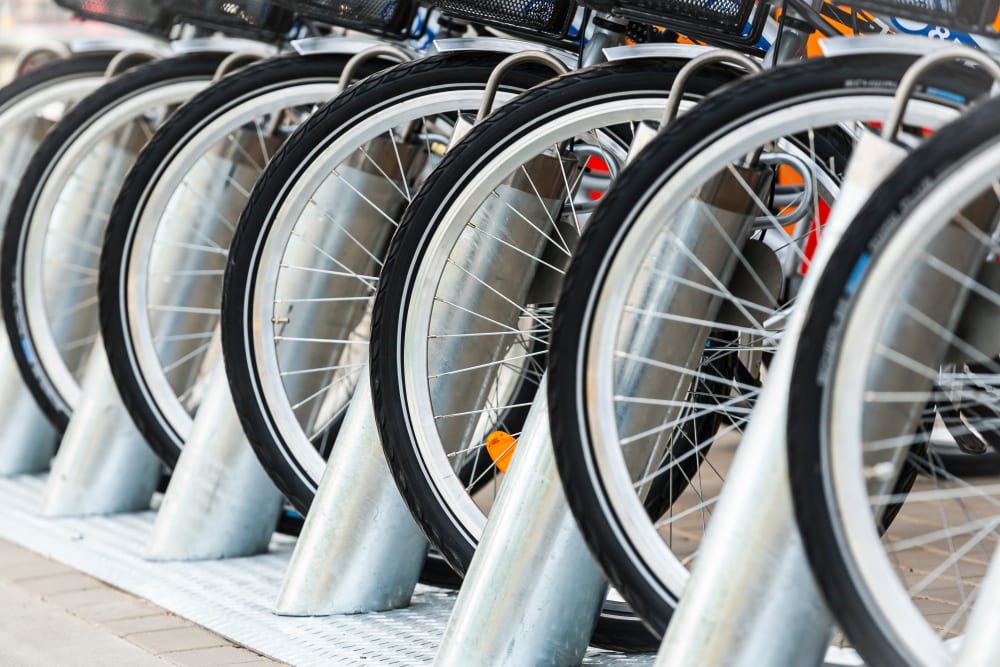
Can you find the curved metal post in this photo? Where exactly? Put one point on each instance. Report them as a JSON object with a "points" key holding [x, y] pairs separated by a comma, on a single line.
{"points": [[360, 549], [759, 604], [220, 503], [27, 439], [103, 465], [550, 589]]}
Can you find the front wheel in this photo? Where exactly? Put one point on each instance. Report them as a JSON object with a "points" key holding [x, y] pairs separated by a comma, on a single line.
{"points": [[167, 242], [901, 319], [675, 301], [465, 299], [307, 252], [52, 243]]}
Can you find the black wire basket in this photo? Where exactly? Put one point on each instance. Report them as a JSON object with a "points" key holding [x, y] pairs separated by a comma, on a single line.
{"points": [[975, 16], [549, 18], [381, 17], [257, 19], [147, 16], [728, 22]]}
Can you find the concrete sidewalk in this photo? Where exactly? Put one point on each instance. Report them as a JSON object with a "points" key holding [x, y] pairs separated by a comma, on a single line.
{"points": [[52, 615]]}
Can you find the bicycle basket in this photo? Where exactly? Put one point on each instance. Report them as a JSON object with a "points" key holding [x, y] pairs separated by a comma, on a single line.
{"points": [[383, 17], [546, 17], [975, 16], [257, 19], [142, 15], [723, 21]]}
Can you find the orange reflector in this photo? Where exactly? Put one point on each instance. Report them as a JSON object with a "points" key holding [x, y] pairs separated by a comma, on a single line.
{"points": [[500, 447]]}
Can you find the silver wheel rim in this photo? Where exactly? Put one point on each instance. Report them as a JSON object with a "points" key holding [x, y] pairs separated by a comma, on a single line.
{"points": [[844, 480], [72, 164], [665, 569], [298, 450], [156, 226], [419, 308]]}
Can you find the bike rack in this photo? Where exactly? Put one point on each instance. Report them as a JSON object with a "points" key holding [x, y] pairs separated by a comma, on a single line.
{"points": [[29, 440], [220, 503], [50, 51], [355, 556], [759, 604], [552, 588], [103, 465], [380, 547], [360, 549]]}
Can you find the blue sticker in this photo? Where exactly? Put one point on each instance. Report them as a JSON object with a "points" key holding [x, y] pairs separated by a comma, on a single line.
{"points": [[859, 269]]}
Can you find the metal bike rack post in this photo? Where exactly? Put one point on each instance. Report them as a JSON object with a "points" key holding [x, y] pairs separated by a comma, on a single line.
{"points": [[360, 549], [979, 645], [27, 439], [103, 465], [757, 604], [220, 503], [533, 591], [48, 51]]}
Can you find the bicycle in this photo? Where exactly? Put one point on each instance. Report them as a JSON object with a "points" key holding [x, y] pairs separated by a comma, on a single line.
{"points": [[900, 323], [666, 319]]}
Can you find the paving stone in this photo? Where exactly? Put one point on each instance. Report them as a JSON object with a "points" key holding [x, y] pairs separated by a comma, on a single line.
{"points": [[36, 634], [30, 569], [116, 611], [128, 626], [78, 599], [11, 554], [103, 615], [177, 639], [206, 657], [59, 583]]}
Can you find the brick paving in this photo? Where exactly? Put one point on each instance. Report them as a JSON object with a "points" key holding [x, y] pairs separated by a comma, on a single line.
{"points": [[50, 614]]}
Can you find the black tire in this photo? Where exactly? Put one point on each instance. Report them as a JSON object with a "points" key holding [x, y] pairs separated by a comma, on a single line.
{"points": [[728, 110], [828, 312], [321, 129], [70, 68], [136, 81], [137, 191], [53, 73], [618, 628], [325, 126]]}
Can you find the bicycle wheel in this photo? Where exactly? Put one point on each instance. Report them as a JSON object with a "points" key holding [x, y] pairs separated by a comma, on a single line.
{"points": [[902, 318], [165, 250], [31, 104], [677, 296], [58, 216], [306, 255], [465, 298]]}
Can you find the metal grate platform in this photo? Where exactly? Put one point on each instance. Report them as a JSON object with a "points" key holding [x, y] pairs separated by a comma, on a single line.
{"points": [[233, 597]]}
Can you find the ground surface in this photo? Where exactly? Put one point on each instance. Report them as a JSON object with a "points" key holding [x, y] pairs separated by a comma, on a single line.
{"points": [[51, 614]]}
